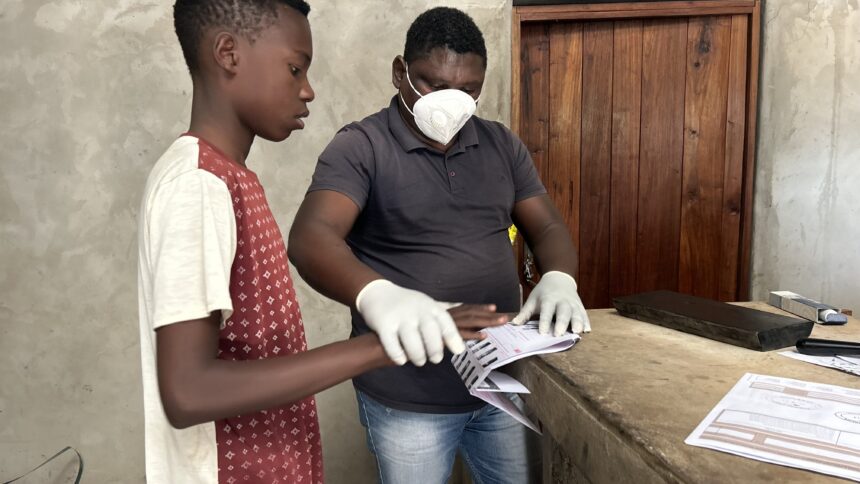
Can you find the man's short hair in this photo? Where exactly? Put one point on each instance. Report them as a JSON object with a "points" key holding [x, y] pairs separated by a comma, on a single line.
{"points": [[247, 18], [447, 28]]}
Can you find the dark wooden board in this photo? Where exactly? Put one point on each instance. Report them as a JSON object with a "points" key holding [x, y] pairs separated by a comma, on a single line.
{"points": [[719, 321]]}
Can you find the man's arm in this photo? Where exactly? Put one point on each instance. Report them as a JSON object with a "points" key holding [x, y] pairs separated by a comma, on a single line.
{"points": [[317, 246], [409, 323], [197, 387], [546, 234], [555, 296]]}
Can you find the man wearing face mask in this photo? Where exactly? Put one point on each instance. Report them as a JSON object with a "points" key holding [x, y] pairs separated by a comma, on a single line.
{"points": [[410, 207]]}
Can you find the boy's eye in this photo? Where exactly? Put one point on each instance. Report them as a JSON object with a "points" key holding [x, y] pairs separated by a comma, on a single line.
{"points": [[295, 70]]}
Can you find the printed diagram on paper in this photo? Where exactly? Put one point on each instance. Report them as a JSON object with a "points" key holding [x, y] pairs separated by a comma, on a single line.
{"points": [[789, 422], [503, 345], [848, 364]]}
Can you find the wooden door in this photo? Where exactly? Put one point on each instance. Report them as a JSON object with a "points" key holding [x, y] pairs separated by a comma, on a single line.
{"points": [[642, 130]]}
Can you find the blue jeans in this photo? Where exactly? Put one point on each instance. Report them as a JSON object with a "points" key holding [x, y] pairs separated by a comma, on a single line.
{"points": [[419, 448]]}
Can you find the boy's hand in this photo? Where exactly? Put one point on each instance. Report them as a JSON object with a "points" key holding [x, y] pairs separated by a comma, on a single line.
{"points": [[472, 318], [409, 323]]}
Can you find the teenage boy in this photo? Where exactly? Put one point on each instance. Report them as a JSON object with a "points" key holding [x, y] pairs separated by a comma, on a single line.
{"points": [[228, 381]]}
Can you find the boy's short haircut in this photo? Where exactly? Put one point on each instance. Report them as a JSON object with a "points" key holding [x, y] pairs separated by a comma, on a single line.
{"points": [[447, 28], [247, 18]]}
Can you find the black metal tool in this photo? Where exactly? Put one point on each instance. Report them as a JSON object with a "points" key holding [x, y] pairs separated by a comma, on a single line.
{"points": [[826, 347], [727, 323]]}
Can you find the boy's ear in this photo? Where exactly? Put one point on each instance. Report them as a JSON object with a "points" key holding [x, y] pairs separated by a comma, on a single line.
{"points": [[397, 71], [226, 51]]}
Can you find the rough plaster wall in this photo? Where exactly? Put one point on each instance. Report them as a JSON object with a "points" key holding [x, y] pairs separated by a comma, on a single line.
{"points": [[807, 206], [92, 91]]}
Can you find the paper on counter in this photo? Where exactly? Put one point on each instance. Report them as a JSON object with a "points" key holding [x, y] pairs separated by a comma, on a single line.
{"points": [[842, 363], [789, 422]]}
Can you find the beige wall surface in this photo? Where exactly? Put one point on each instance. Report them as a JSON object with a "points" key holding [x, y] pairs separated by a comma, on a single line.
{"points": [[92, 91], [806, 234]]}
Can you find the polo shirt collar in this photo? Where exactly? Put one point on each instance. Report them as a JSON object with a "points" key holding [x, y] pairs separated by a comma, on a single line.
{"points": [[468, 135]]}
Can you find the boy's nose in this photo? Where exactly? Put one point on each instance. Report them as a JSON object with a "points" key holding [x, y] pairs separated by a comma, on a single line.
{"points": [[307, 93]]}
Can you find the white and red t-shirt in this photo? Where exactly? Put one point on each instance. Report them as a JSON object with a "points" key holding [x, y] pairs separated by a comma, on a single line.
{"points": [[208, 242]]}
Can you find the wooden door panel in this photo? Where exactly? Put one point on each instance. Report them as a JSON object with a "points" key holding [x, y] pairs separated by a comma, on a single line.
{"points": [[639, 129], [730, 247], [664, 48], [535, 91], [595, 168], [626, 115], [708, 48], [561, 173]]}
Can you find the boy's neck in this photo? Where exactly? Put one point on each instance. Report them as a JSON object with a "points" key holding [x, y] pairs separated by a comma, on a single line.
{"points": [[214, 120]]}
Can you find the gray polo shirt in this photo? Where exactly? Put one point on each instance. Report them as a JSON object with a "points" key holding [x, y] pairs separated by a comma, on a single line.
{"points": [[434, 222]]}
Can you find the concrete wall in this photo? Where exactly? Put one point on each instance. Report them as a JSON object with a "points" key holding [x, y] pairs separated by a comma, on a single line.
{"points": [[807, 208], [92, 91]]}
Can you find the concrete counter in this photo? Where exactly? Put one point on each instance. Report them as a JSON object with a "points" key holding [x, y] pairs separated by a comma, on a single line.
{"points": [[617, 408]]}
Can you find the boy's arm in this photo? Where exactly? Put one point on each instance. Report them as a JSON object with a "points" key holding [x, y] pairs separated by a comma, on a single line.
{"points": [[197, 387]]}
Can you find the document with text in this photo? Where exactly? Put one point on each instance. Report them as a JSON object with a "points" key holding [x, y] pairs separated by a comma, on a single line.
{"points": [[794, 423], [505, 344], [848, 364]]}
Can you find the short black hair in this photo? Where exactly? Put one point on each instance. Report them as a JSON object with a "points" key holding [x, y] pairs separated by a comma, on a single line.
{"points": [[444, 27], [245, 17]]}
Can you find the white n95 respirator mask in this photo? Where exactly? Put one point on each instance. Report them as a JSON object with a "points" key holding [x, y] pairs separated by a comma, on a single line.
{"points": [[441, 114]]}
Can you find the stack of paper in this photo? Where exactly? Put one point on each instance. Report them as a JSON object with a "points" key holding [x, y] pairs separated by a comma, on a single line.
{"points": [[503, 345]]}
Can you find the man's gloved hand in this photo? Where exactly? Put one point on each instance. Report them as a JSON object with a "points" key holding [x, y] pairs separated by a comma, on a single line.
{"points": [[555, 295], [409, 323]]}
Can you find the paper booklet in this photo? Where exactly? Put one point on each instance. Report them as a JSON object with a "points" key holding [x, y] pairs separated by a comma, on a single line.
{"points": [[503, 345]]}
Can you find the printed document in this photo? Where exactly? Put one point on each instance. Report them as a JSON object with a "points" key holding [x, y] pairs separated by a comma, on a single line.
{"points": [[789, 422], [505, 344], [848, 364]]}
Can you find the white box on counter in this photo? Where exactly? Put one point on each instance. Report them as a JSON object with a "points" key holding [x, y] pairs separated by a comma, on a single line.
{"points": [[806, 308]]}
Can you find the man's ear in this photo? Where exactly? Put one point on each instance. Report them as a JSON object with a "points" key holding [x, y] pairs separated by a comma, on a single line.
{"points": [[225, 50], [398, 70]]}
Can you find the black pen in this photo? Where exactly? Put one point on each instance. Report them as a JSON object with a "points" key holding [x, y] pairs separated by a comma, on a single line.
{"points": [[825, 347]]}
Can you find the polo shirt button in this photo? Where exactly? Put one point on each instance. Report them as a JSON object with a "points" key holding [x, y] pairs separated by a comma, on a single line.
{"points": [[452, 173]]}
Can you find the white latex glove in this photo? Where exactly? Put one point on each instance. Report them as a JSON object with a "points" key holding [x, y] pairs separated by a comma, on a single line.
{"points": [[555, 295], [409, 323]]}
